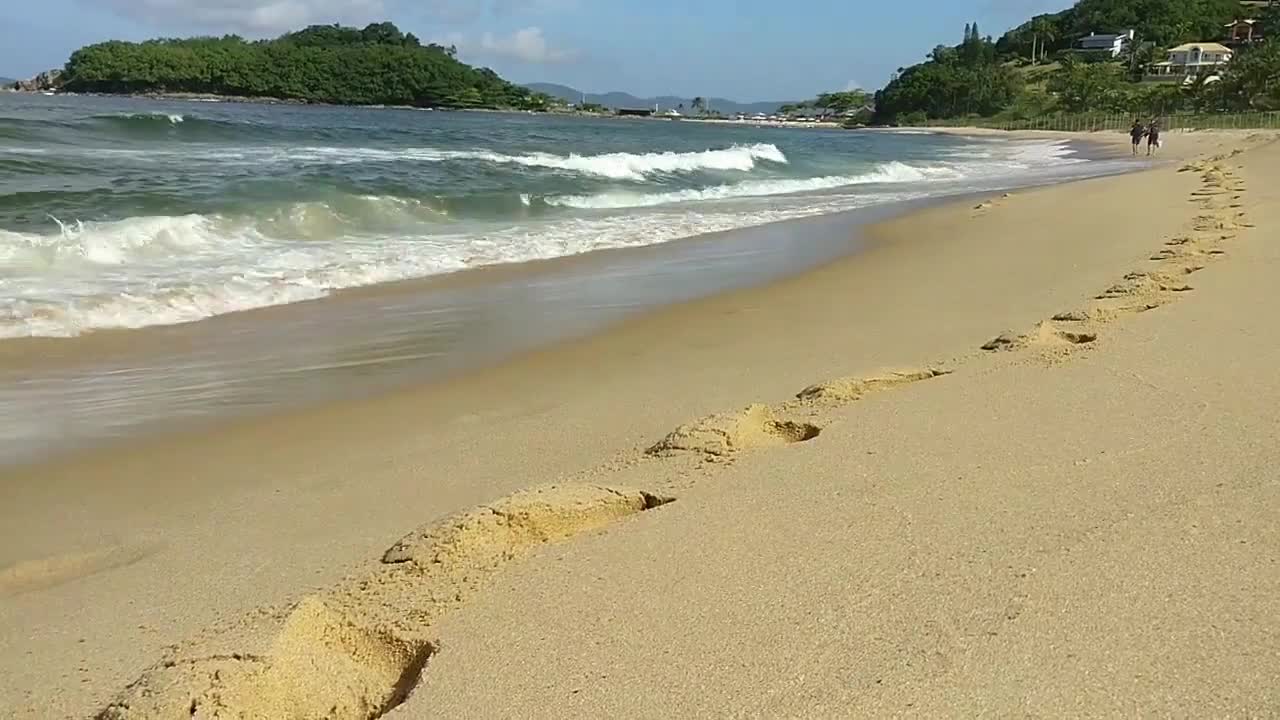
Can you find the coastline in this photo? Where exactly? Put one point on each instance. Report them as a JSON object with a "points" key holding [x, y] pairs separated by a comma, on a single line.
{"points": [[373, 340], [931, 284], [249, 100]]}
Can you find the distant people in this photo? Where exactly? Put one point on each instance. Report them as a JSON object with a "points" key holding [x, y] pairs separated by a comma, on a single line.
{"points": [[1153, 138], [1136, 133]]}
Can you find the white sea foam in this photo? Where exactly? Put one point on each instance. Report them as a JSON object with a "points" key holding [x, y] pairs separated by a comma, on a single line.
{"points": [[166, 270], [887, 173], [750, 188], [172, 118], [142, 271], [616, 166]]}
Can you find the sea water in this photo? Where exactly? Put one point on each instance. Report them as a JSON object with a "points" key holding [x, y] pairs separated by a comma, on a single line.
{"points": [[118, 213], [384, 247]]}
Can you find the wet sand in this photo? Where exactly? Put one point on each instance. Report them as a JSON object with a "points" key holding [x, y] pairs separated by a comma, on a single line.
{"points": [[62, 395], [115, 556]]}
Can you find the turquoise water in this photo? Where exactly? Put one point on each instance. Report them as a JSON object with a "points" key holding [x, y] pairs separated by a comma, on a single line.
{"points": [[124, 213]]}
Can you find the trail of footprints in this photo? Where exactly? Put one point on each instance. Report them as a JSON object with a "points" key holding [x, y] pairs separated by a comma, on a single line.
{"points": [[1220, 217], [357, 650]]}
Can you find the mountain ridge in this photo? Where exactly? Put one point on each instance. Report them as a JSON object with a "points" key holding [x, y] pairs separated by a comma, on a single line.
{"points": [[617, 99]]}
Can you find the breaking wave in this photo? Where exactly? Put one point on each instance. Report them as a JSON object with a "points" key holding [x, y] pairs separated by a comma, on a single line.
{"points": [[165, 270], [286, 218], [887, 173], [614, 166]]}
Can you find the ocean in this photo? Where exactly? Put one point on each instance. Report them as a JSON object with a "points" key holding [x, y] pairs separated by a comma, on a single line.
{"points": [[118, 214]]}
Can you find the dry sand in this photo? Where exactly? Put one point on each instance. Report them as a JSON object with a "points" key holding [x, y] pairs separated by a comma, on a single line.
{"points": [[1078, 520]]}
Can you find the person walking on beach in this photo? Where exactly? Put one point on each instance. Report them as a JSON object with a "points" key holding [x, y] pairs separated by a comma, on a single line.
{"points": [[1136, 133], [1153, 137]]}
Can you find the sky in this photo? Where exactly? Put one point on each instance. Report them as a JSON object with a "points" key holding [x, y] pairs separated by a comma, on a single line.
{"points": [[744, 50]]}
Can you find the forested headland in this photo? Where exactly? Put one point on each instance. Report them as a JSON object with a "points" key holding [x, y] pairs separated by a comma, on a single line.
{"points": [[376, 65], [1031, 71]]}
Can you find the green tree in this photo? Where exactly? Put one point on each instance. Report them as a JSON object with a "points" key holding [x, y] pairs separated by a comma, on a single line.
{"points": [[955, 82], [322, 63], [1043, 32], [1269, 21], [1089, 87], [1251, 81], [840, 102], [1038, 36], [1163, 22]]}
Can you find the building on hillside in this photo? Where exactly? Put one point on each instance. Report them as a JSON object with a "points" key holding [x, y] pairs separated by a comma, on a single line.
{"points": [[1259, 4], [1111, 45], [1192, 60], [1243, 32]]}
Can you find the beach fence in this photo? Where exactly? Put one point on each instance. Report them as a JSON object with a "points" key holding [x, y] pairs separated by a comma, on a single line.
{"points": [[1120, 122]]}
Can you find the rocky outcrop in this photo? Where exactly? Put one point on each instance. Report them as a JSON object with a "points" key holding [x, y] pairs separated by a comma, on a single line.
{"points": [[47, 80]]}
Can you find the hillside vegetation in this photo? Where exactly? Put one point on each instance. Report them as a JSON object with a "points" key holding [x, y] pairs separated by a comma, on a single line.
{"points": [[324, 63], [1030, 72]]}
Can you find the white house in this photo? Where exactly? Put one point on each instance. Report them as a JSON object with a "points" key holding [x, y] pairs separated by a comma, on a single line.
{"points": [[1112, 45], [1193, 59]]}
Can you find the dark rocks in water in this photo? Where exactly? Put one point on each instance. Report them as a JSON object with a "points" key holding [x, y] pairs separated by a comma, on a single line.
{"points": [[47, 80]]}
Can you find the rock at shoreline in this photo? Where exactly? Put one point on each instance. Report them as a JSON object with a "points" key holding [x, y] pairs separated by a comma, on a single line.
{"points": [[47, 80]]}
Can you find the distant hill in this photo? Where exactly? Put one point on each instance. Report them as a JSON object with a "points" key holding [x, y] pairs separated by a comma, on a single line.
{"points": [[6, 81], [621, 99], [374, 65]]}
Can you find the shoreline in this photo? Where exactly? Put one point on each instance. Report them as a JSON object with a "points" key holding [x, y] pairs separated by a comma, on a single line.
{"points": [[245, 100], [214, 525], [225, 348]]}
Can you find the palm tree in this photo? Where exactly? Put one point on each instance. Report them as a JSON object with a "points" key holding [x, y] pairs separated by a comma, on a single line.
{"points": [[699, 104], [1043, 33]]}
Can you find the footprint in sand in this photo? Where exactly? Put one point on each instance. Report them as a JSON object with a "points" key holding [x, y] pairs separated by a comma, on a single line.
{"points": [[1045, 335], [848, 389], [1185, 252], [1144, 283], [726, 434], [357, 652]]}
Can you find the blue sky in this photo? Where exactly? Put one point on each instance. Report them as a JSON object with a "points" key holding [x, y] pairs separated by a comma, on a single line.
{"points": [[743, 50]]}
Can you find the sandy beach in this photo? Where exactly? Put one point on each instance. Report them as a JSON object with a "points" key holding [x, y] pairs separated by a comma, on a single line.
{"points": [[1014, 458]]}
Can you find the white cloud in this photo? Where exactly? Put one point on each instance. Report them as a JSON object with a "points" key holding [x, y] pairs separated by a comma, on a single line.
{"points": [[251, 16], [528, 45]]}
